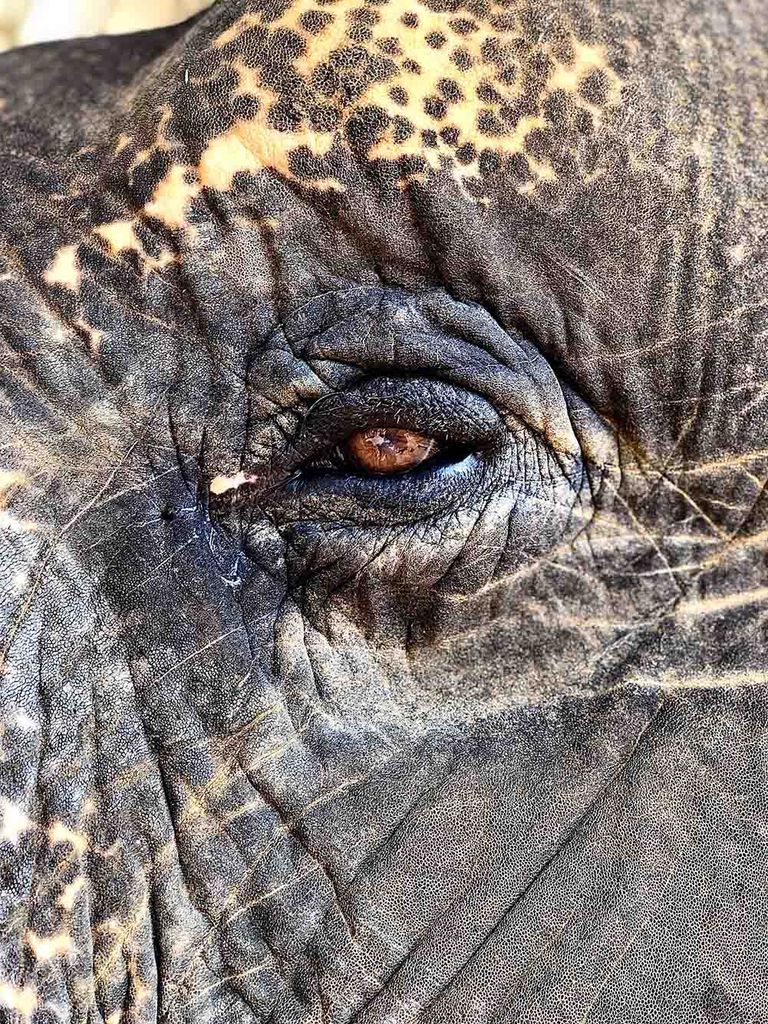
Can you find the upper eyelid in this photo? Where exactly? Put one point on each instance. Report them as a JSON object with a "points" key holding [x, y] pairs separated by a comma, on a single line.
{"points": [[432, 407], [502, 366]]}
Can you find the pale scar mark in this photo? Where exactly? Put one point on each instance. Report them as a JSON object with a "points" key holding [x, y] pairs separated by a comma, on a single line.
{"points": [[64, 270], [222, 484]]}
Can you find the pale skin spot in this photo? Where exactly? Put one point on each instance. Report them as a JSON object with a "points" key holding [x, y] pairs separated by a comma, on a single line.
{"points": [[21, 1000], [69, 896], [141, 158], [13, 524], [121, 236], [95, 337], [236, 30], [14, 822], [569, 77], [253, 146], [223, 158], [60, 833], [123, 141], [20, 581], [9, 481], [64, 271], [737, 254], [50, 946], [172, 197], [19, 719]]}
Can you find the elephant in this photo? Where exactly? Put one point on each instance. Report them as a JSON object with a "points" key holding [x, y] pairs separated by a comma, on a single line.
{"points": [[383, 516]]}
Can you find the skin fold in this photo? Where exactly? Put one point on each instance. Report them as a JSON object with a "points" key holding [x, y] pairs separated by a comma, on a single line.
{"points": [[282, 741]]}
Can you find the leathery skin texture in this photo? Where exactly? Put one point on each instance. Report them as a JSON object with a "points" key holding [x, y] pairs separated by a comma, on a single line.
{"points": [[285, 741]]}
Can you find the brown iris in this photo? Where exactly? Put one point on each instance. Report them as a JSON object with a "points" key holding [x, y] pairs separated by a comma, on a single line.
{"points": [[388, 450]]}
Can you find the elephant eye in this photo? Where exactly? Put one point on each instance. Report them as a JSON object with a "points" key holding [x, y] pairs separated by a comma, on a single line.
{"points": [[385, 450]]}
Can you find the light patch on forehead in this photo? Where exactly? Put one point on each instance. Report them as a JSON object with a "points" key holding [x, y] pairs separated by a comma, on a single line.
{"points": [[64, 269], [464, 73], [450, 87]]}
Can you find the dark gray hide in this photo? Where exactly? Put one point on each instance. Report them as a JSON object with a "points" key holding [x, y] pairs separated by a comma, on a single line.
{"points": [[482, 742]]}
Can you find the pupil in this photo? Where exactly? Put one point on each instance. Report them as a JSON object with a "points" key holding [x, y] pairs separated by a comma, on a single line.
{"points": [[389, 449]]}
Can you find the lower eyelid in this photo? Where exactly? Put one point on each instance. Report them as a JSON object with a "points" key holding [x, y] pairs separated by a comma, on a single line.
{"points": [[334, 477]]}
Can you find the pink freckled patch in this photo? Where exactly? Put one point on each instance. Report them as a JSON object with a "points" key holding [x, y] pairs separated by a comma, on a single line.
{"points": [[223, 483]]}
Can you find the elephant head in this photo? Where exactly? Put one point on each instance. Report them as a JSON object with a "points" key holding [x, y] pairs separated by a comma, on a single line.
{"points": [[383, 516]]}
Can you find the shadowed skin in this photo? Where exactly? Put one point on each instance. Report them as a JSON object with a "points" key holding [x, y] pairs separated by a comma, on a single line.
{"points": [[484, 742]]}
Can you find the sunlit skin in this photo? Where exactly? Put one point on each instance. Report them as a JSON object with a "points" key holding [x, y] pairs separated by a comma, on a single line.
{"points": [[389, 450]]}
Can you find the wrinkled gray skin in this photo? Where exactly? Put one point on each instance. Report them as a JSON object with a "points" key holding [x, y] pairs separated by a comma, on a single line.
{"points": [[486, 742]]}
